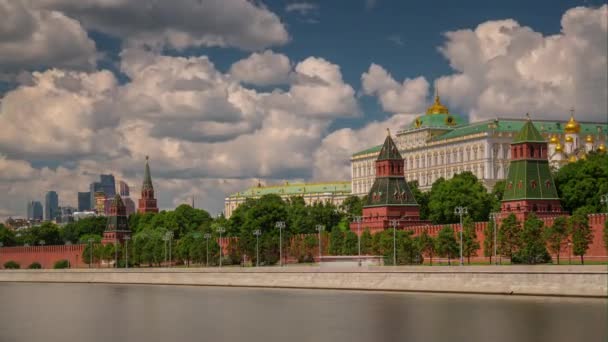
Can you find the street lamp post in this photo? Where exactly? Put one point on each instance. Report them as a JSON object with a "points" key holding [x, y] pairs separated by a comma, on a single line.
{"points": [[207, 236], [320, 228], [257, 234], [280, 225], [461, 211], [221, 230], [604, 200], [127, 238], [494, 217], [569, 253], [90, 241], [394, 223], [358, 220]]}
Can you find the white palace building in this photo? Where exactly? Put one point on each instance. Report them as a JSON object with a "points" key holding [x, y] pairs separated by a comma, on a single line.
{"points": [[442, 144]]}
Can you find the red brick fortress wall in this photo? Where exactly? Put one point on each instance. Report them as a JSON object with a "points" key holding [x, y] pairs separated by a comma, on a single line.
{"points": [[45, 255]]}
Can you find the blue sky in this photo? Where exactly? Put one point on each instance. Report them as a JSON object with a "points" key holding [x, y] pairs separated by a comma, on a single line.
{"points": [[225, 93]]}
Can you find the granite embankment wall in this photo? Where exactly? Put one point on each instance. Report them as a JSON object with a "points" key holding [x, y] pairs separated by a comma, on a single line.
{"points": [[587, 281]]}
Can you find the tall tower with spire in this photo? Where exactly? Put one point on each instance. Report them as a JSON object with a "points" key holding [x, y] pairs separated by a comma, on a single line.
{"points": [[147, 202], [529, 186], [389, 198]]}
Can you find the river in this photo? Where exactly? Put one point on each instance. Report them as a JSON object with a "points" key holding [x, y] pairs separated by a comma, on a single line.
{"points": [[106, 313]]}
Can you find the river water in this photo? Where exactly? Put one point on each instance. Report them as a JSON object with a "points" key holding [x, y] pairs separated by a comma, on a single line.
{"points": [[106, 313]]}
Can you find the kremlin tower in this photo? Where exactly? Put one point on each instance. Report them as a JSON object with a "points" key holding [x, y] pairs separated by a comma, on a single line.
{"points": [[117, 227], [389, 198], [529, 186], [147, 202]]}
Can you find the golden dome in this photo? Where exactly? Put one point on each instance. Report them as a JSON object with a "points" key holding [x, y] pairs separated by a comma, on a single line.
{"points": [[558, 148], [569, 139], [572, 159], [589, 138], [601, 148], [437, 107], [572, 126], [553, 139]]}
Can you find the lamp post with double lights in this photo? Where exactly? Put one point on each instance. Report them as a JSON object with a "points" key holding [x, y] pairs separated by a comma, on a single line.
{"points": [[495, 217], [394, 223], [220, 230], [280, 226], [320, 228], [207, 236], [461, 211], [358, 220], [127, 238], [257, 234]]}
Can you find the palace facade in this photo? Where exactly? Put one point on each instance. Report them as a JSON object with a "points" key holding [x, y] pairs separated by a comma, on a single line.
{"points": [[442, 144], [334, 193]]}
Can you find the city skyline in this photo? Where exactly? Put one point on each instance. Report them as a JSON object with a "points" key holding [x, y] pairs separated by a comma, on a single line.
{"points": [[289, 100]]}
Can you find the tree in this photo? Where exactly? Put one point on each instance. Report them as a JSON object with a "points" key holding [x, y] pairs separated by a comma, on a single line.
{"points": [[580, 232], [60, 264], [35, 266], [11, 265], [557, 235], [488, 242], [7, 236], [352, 206], [366, 242], [350, 244], [581, 183], [426, 244], [422, 198], [74, 231], [445, 244], [509, 236], [470, 245], [463, 189], [336, 242], [533, 248]]}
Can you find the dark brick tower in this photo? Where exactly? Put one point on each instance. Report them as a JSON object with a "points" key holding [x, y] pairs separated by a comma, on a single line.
{"points": [[529, 186], [118, 223], [389, 197], [147, 202]]}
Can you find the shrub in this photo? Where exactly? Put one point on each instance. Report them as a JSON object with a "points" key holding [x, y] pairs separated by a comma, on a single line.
{"points": [[61, 264], [11, 265], [35, 266]]}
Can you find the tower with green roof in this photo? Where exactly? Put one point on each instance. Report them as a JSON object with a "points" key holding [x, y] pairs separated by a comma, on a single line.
{"points": [[529, 186], [389, 198]]}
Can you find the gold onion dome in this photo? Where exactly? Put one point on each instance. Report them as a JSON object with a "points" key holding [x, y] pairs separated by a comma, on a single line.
{"points": [[553, 139], [569, 139], [602, 147], [558, 148], [589, 139], [572, 126], [572, 159], [437, 107]]}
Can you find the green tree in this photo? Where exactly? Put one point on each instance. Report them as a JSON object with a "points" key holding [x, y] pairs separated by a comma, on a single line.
{"points": [[557, 235], [470, 245], [11, 265], [60, 264], [35, 266], [350, 244], [352, 206], [74, 231], [366, 242], [509, 236], [533, 248], [336, 242], [463, 189], [445, 244], [498, 191], [7, 236], [488, 242], [422, 198], [427, 245], [581, 232], [581, 183]]}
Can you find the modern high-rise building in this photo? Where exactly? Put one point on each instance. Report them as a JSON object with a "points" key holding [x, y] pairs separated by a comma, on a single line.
{"points": [[124, 193], [108, 185], [51, 205], [34, 211], [94, 188], [84, 201]]}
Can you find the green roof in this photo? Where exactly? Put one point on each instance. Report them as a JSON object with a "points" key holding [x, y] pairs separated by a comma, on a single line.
{"points": [[437, 121], [529, 179], [296, 189], [389, 191], [147, 177], [528, 133], [374, 149], [389, 150]]}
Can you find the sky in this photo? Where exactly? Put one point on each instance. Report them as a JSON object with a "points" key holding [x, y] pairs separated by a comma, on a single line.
{"points": [[222, 94]]}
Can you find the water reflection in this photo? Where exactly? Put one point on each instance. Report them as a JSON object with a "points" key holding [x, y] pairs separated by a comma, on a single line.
{"points": [[75, 312]]}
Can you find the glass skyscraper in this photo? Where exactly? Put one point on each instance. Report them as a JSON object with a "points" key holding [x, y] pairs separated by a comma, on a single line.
{"points": [[51, 206], [108, 185], [34, 210], [84, 201]]}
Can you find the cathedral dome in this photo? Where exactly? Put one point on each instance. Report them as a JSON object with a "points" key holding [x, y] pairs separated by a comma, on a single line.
{"points": [[553, 139], [558, 148], [572, 126], [437, 107], [569, 139], [589, 138], [601, 148]]}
